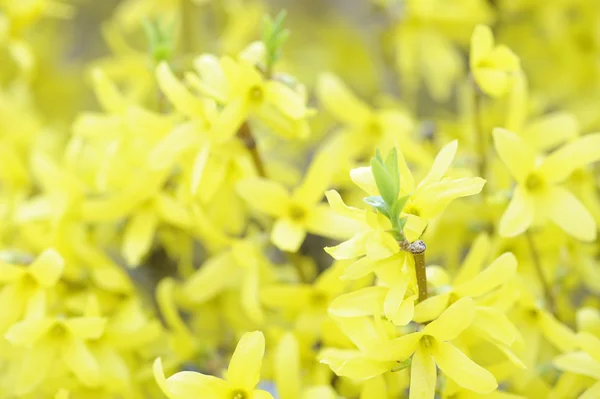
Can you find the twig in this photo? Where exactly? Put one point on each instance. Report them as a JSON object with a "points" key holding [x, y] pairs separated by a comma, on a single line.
{"points": [[417, 249], [245, 134]]}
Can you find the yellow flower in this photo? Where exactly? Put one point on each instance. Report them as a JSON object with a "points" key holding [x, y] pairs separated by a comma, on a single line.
{"points": [[368, 128], [428, 347], [584, 362], [243, 91], [538, 196], [299, 212], [24, 287], [431, 196], [242, 376], [48, 339], [493, 67]]}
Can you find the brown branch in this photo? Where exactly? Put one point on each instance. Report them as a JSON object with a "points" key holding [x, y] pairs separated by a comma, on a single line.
{"points": [[417, 249], [245, 135]]}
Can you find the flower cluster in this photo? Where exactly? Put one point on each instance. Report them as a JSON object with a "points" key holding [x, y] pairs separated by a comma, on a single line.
{"points": [[370, 199]]}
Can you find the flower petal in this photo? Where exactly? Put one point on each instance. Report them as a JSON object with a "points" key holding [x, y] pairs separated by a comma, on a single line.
{"points": [[184, 101], [340, 101], [82, 363], [550, 130], [452, 321], [363, 302], [325, 222], [285, 99], [561, 163], [423, 375], [564, 209], [47, 268], [518, 215], [287, 367], [244, 367], [264, 195], [287, 235], [461, 369], [138, 236], [440, 164], [501, 270], [514, 153]]}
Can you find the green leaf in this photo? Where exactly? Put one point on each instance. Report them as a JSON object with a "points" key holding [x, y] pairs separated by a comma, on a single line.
{"points": [[391, 164], [398, 206], [378, 203], [384, 181], [274, 36], [160, 39]]}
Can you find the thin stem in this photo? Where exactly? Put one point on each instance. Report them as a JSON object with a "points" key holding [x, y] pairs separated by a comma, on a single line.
{"points": [[540, 272], [417, 249], [245, 134]]}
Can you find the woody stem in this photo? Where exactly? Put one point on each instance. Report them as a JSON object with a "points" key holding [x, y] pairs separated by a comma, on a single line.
{"points": [[417, 249], [245, 134]]}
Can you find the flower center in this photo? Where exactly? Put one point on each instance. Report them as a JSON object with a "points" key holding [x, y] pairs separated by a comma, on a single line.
{"points": [[426, 341], [237, 394], [256, 94], [319, 300], [297, 213], [534, 182]]}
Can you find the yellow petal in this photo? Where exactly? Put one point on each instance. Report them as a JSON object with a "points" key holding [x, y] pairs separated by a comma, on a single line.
{"points": [[264, 195], [107, 93], [482, 42], [351, 249], [325, 222], [423, 375], [35, 366], [435, 197], [590, 343], [198, 168], [244, 367], [211, 278], [474, 260], [495, 325], [285, 99], [249, 293], [338, 206], [514, 153], [374, 388], [493, 82], [354, 365], [592, 392], [461, 369], [317, 178], [184, 101], [167, 152], [28, 332], [363, 302], [287, 235], [363, 178], [340, 101], [138, 236], [556, 332], [287, 367], [452, 321], [90, 327], [578, 363], [188, 384], [566, 211], [397, 349], [431, 308], [501, 270], [229, 120], [561, 163], [440, 164], [551, 130], [47, 268], [381, 245], [82, 363], [518, 215]]}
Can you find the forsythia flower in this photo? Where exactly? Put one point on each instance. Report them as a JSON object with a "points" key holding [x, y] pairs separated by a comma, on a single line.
{"points": [[537, 196], [494, 67], [242, 376]]}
